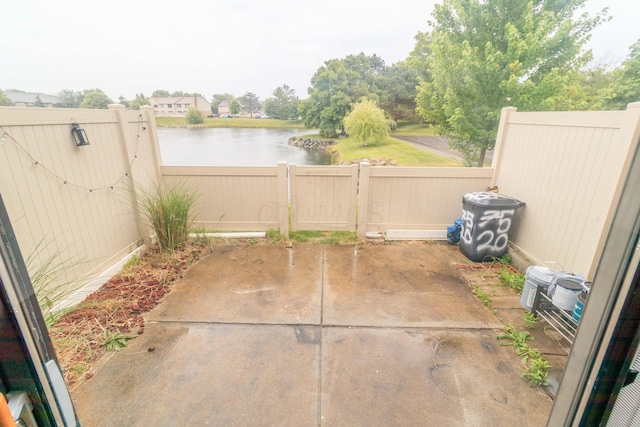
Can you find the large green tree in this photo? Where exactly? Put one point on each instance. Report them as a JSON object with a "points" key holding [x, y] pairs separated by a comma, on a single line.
{"points": [[283, 104], [366, 122], [250, 102], [398, 91], [95, 99], [336, 86], [487, 54]]}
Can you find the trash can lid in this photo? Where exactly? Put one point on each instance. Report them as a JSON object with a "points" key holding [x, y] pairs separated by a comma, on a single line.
{"points": [[485, 198], [570, 285], [541, 273]]}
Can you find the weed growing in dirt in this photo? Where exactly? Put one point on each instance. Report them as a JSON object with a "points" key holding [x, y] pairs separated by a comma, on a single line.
{"points": [[132, 262], [537, 371], [274, 236], [116, 340], [169, 212], [504, 259], [512, 280], [536, 368], [518, 338], [530, 319], [482, 296]]}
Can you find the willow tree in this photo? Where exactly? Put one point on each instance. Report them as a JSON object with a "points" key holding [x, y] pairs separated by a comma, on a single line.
{"points": [[366, 122], [488, 54]]}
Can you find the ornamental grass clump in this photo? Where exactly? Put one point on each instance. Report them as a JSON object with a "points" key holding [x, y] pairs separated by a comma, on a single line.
{"points": [[169, 212]]}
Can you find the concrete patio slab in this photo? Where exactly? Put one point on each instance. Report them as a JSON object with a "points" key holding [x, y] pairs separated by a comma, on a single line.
{"points": [[399, 286], [218, 375], [316, 336], [253, 284], [385, 377]]}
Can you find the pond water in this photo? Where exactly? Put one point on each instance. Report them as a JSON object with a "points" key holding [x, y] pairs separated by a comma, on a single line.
{"points": [[234, 147]]}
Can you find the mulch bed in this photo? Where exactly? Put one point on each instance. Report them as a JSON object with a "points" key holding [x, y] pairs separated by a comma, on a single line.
{"points": [[117, 307]]}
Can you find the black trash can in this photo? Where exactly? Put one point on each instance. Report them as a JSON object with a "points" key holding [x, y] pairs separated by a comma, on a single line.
{"points": [[486, 220]]}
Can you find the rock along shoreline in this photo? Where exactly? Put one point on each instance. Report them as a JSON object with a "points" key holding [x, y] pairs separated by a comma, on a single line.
{"points": [[315, 144]]}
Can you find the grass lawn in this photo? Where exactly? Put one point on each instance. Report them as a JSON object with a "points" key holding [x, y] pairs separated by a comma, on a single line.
{"points": [[404, 154], [236, 122], [413, 129]]}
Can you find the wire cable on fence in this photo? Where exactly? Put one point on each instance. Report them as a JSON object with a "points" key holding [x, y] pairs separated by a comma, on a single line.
{"points": [[37, 163]]}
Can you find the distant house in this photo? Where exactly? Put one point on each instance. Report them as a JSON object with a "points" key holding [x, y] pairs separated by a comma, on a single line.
{"points": [[32, 99], [177, 106], [223, 108]]}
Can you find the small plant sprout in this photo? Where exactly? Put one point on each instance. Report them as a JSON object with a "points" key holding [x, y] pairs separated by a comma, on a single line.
{"points": [[114, 341], [132, 262], [537, 371], [530, 319], [482, 296], [512, 280], [536, 368]]}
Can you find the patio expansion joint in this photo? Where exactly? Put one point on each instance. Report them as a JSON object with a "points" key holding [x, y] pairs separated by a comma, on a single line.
{"points": [[331, 326], [320, 354]]}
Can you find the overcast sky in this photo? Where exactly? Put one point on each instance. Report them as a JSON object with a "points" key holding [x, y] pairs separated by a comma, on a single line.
{"points": [[233, 46]]}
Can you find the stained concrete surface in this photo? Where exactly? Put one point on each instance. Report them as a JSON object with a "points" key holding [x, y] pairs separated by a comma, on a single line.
{"points": [[258, 284], [316, 335]]}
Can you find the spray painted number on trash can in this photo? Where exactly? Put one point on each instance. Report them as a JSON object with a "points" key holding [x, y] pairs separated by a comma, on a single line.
{"points": [[497, 222], [467, 226]]}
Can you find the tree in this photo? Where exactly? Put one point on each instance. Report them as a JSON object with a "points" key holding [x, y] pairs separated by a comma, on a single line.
{"points": [[123, 101], [336, 86], [418, 59], [95, 99], [139, 100], [283, 105], [160, 93], [194, 116], [4, 100], [487, 54], [234, 106], [398, 86], [217, 98], [250, 102], [366, 122], [70, 98], [38, 102], [625, 87]]}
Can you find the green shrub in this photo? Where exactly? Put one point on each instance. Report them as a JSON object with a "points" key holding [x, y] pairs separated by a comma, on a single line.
{"points": [[194, 116], [169, 212]]}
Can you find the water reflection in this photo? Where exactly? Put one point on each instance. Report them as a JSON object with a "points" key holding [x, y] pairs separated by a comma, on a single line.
{"points": [[235, 146]]}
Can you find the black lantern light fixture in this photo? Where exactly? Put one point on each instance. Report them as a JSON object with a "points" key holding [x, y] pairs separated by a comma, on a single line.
{"points": [[79, 135]]}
